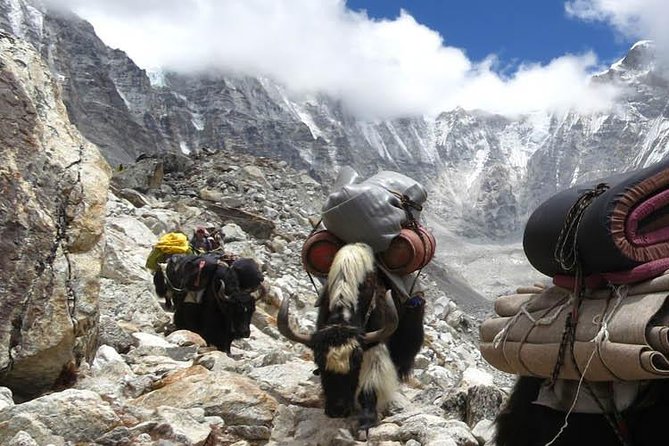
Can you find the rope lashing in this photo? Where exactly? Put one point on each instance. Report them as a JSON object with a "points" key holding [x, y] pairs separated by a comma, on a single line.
{"points": [[566, 249]]}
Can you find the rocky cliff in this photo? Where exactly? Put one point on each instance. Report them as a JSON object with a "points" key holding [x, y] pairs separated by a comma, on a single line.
{"points": [[54, 188]]}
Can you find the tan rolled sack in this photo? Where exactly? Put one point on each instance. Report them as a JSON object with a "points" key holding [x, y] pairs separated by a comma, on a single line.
{"points": [[621, 335]]}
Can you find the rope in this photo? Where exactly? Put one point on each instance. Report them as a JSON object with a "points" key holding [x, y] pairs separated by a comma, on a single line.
{"points": [[523, 311], [566, 249], [567, 257], [615, 420], [573, 404], [169, 282]]}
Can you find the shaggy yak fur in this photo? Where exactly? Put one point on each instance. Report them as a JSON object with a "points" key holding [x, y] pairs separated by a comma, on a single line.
{"points": [[365, 339], [523, 423], [207, 299]]}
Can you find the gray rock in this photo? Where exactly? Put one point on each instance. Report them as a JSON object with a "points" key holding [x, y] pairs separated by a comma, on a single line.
{"points": [[77, 415], [6, 399], [112, 334], [22, 439], [483, 402], [484, 431]]}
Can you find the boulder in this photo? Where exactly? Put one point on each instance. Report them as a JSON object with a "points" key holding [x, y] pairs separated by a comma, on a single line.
{"points": [[80, 416], [235, 398]]}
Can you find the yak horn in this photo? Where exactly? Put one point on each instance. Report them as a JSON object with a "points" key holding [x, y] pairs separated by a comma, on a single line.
{"points": [[390, 320], [221, 290], [284, 326]]}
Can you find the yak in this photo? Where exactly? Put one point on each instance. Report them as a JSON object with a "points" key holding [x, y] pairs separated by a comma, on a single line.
{"points": [[365, 339], [522, 422], [210, 298]]}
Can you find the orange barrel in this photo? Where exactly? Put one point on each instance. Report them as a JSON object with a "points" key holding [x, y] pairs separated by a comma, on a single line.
{"points": [[319, 251], [409, 251], [431, 245]]}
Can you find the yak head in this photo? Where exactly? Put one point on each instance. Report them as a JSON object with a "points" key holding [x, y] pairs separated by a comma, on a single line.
{"points": [[237, 304], [341, 339]]}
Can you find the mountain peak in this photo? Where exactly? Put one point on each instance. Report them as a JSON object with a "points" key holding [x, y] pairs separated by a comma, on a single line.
{"points": [[640, 57]]}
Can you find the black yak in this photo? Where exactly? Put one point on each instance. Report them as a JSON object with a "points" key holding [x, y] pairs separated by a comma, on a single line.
{"points": [[364, 340], [523, 422], [209, 297]]}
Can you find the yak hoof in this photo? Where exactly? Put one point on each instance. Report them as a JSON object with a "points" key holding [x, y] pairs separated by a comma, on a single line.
{"points": [[366, 422]]}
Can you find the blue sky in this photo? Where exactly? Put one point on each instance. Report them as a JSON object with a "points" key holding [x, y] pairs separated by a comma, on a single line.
{"points": [[502, 56], [514, 30]]}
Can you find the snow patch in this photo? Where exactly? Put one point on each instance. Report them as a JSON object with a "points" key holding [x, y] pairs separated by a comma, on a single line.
{"points": [[156, 77]]}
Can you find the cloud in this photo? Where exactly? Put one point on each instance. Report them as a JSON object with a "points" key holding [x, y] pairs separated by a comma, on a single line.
{"points": [[640, 19], [377, 68]]}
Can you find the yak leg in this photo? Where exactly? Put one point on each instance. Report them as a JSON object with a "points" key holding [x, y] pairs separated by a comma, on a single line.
{"points": [[512, 424], [368, 417], [407, 340], [161, 287], [216, 326], [187, 316], [377, 385]]}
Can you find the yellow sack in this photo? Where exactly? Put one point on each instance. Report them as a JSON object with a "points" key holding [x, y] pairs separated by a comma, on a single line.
{"points": [[173, 243], [155, 257]]}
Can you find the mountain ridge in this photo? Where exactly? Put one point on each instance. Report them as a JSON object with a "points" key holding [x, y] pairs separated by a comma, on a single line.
{"points": [[507, 166]]}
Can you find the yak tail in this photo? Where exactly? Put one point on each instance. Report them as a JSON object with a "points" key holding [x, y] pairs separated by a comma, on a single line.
{"points": [[408, 338]]}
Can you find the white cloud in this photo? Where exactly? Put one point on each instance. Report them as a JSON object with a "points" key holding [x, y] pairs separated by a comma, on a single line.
{"points": [[378, 68], [640, 19]]}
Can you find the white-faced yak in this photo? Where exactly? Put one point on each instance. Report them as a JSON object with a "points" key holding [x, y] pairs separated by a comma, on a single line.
{"points": [[210, 298], [523, 422], [365, 339]]}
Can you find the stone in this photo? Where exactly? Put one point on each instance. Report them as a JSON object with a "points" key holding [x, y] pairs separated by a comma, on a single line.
{"points": [[112, 333], [184, 338], [484, 431], [77, 415], [235, 398], [6, 399], [234, 233], [188, 423], [294, 381], [144, 175], [483, 402], [22, 439], [135, 197], [211, 195]]}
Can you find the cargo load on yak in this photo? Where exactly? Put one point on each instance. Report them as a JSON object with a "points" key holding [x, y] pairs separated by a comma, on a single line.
{"points": [[167, 245], [597, 340], [383, 212]]}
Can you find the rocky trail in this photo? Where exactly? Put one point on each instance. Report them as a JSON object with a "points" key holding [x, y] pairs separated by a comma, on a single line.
{"points": [[87, 354], [143, 387]]}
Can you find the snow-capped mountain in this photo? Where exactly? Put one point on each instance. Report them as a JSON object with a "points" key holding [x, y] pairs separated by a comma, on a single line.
{"points": [[486, 172]]}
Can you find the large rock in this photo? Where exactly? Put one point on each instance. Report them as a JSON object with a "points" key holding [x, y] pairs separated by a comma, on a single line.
{"points": [[74, 415], [235, 398], [54, 188]]}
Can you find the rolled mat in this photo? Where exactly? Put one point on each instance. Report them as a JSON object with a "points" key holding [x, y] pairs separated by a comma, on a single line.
{"points": [[631, 345], [510, 305], [624, 227]]}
